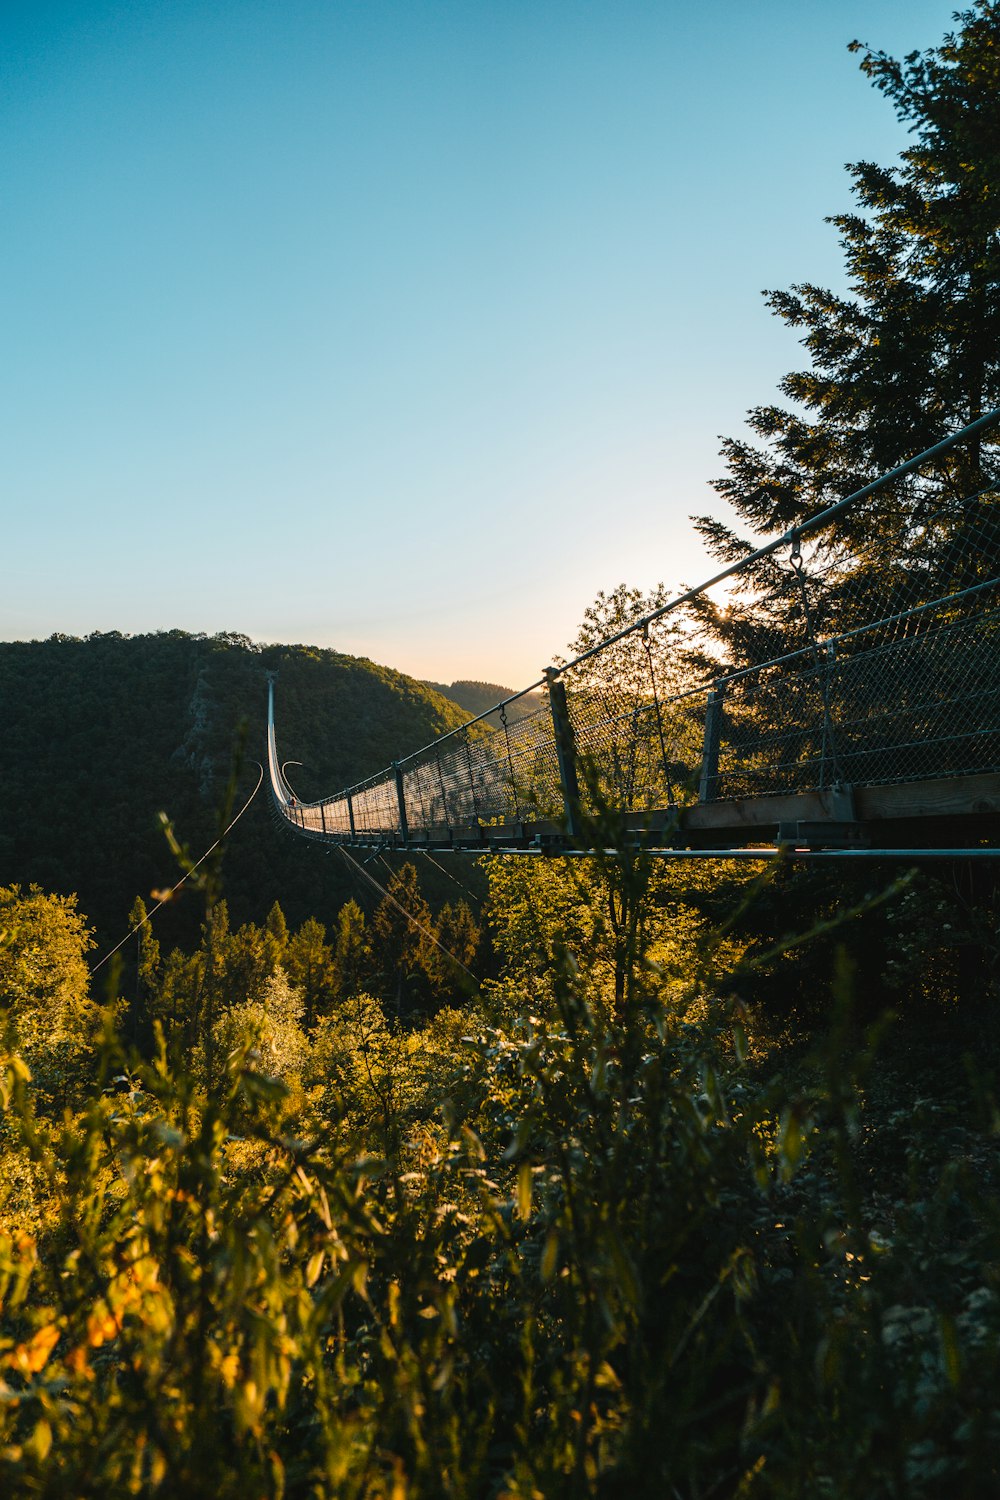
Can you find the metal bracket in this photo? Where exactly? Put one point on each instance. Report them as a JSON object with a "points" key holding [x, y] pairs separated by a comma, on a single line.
{"points": [[832, 835], [840, 799], [708, 785]]}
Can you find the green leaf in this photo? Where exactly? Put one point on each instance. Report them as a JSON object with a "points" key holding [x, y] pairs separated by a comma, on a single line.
{"points": [[550, 1256], [524, 1191]]}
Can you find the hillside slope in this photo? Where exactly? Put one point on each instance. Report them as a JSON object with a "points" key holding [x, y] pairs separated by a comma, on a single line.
{"points": [[479, 697], [101, 734]]}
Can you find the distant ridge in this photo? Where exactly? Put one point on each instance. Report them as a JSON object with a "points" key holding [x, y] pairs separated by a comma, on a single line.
{"points": [[478, 697]]}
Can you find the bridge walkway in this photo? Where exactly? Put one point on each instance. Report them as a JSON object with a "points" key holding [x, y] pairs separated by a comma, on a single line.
{"points": [[878, 731]]}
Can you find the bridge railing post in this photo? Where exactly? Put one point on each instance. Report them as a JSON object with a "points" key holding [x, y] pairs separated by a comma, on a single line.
{"points": [[565, 741], [830, 755], [708, 787], [513, 801], [444, 792], [350, 814], [472, 783], [401, 800]]}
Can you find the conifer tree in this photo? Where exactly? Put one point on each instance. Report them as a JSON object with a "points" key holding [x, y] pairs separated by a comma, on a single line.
{"points": [[458, 937], [248, 963], [907, 355], [275, 938], [309, 965], [352, 958], [400, 926]]}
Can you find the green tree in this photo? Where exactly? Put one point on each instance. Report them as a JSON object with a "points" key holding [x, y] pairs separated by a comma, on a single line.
{"points": [[909, 353], [352, 956], [446, 962], [247, 963], [400, 928], [173, 1005], [275, 937], [44, 988], [310, 967], [361, 1063], [641, 752], [270, 1027], [212, 995]]}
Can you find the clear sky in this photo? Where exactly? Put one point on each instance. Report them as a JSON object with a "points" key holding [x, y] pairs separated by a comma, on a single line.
{"points": [[400, 326]]}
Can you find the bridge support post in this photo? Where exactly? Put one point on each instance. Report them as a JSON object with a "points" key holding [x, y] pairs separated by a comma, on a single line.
{"points": [[350, 814], [401, 799], [474, 801], [565, 751], [709, 784], [444, 793]]}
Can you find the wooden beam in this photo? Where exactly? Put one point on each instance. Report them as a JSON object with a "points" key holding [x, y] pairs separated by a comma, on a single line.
{"points": [[953, 796]]}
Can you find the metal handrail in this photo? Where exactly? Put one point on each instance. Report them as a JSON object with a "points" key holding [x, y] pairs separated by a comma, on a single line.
{"points": [[396, 774]]}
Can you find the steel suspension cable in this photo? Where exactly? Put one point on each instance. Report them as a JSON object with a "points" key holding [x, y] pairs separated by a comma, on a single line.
{"points": [[454, 880], [408, 915], [174, 888]]}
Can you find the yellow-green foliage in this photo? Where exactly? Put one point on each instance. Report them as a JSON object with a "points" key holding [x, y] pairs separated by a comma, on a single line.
{"points": [[573, 1248], [44, 988]]}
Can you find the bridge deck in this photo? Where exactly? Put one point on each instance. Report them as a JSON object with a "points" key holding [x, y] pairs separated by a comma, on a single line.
{"points": [[856, 707], [961, 812]]}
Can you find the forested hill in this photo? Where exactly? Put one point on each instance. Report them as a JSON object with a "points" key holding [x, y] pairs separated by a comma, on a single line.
{"points": [[101, 734], [474, 697], [478, 697]]}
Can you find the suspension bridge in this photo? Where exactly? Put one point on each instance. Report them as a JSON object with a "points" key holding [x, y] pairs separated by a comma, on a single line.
{"points": [[835, 693]]}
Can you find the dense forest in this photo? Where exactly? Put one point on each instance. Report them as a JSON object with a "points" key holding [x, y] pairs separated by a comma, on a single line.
{"points": [[479, 697], [574, 1176], [104, 734], [474, 697]]}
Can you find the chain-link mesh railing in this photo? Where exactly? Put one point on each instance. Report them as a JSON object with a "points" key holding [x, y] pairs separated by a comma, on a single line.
{"points": [[909, 694], [862, 648]]}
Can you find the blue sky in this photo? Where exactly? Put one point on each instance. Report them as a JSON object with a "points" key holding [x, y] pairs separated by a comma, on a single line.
{"points": [[402, 328]]}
